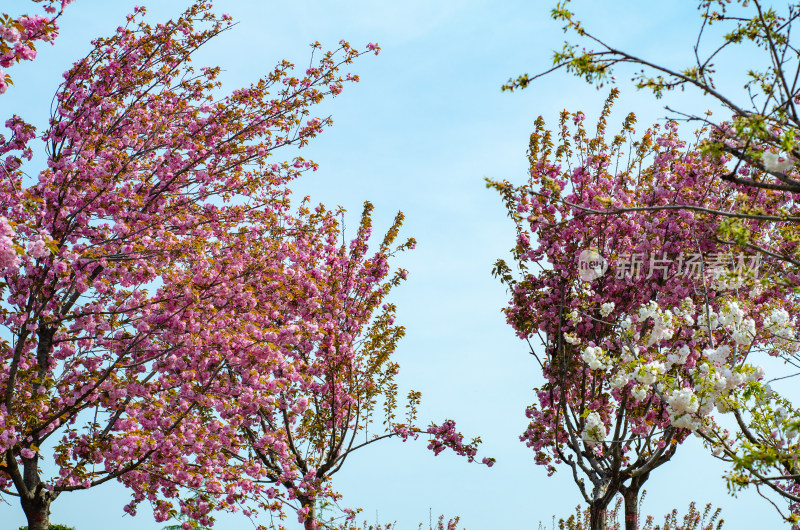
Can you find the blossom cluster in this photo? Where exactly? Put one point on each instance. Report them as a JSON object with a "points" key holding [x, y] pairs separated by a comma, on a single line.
{"points": [[19, 35], [594, 429], [445, 436], [8, 254]]}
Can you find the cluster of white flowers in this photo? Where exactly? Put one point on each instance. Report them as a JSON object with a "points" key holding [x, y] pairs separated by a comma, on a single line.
{"points": [[653, 365], [679, 357], [790, 433], [786, 424], [606, 309], [708, 321], [730, 318], [780, 163], [730, 379], [718, 356], [649, 372], [777, 319], [743, 330], [686, 311], [619, 380], [683, 401], [756, 291], [781, 326], [687, 421], [713, 380], [639, 392], [594, 431], [571, 339], [745, 333], [596, 358], [648, 311], [731, 315], [663, 325]]}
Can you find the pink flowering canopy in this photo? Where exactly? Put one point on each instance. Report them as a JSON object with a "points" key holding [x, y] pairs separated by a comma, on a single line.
{"points": [[173, 323], [317, 384], [126, 261], [335, 377]]}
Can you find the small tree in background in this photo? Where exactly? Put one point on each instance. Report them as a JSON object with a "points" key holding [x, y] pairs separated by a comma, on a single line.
{"points": [[329, 387], [693, 520]]}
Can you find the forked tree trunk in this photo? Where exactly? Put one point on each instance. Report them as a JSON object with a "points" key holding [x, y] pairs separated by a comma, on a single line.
{"points": [[597, 514], [37, 509], [598, 507], [34, 497]]}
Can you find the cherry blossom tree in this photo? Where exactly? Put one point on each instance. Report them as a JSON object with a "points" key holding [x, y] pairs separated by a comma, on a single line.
{"points": [[171, 322], [759, 131], [18, 36], [305, 405], [648, 318], [132, 259], [758, 141]]}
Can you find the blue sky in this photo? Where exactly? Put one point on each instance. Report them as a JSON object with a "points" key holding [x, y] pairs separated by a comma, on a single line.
{"points": [[420, 132]]}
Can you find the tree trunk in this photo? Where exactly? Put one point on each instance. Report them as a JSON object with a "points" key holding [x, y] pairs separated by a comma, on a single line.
{"points": [[597, 514], [631, 497], [37, 509], [311, 518], [34, 497], [602, 495]]}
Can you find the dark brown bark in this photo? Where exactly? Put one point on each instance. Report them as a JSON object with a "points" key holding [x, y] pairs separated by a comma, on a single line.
{"points": [[37, 508], [631, 497], [597, 515], [602, 495], [630, 494], [34, 497]]}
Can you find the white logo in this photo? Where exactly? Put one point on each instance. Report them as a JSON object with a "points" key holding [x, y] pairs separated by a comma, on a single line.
{"points": [[591, 265]]}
